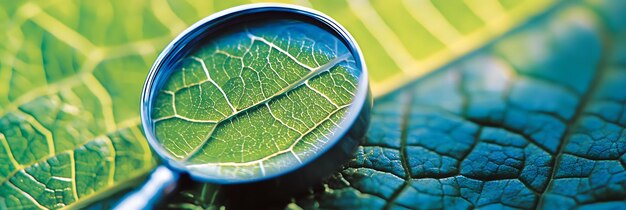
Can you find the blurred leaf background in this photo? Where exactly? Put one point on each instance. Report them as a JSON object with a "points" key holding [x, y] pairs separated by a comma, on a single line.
{"points": [[71, 73]]}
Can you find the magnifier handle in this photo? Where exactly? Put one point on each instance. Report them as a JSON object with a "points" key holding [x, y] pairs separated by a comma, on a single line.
{"points": [[160, 182]]}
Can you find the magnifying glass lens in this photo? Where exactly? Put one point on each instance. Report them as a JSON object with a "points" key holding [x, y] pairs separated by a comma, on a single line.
{"points": [[256, 98]]}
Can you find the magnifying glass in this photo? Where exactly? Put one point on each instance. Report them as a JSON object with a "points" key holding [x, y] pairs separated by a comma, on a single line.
{"points": [[260, 94]]}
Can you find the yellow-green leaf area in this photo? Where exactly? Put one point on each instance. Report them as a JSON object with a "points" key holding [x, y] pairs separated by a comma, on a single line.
{"points": [[256, 98]]}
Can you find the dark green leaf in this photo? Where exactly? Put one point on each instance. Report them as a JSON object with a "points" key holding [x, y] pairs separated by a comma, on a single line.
{"points": [[535, 120]]}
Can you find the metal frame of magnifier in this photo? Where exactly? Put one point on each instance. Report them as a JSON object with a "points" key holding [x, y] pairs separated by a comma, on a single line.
{"points": [[350, 131]]}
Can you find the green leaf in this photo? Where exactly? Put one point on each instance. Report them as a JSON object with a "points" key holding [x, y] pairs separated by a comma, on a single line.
{"points": [[257, 99]]}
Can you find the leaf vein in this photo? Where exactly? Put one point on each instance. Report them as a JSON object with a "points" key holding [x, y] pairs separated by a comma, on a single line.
{"points": [[290, 149]]}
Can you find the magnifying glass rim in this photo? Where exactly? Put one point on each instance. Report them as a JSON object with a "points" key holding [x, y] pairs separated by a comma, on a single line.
{"points": [[179, 44]]}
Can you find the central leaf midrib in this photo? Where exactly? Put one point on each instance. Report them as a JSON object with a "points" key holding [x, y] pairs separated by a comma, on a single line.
{"points": [[326, 67], [289, 149], [404, 135], [584, 100]]}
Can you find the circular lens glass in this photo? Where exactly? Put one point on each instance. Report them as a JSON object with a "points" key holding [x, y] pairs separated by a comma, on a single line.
{"points": [[254, 93]]}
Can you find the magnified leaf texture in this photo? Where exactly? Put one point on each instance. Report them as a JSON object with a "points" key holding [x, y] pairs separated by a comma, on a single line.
{"points": [[256, 99]]}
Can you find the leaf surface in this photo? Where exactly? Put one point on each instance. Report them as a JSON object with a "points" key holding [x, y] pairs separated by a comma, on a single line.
{"points": [[256, 99]]}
